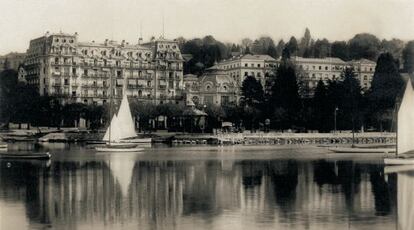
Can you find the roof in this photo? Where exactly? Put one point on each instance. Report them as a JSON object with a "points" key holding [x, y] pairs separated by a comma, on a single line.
{"points": [[363, 61], [261, 57], [319, 60]]}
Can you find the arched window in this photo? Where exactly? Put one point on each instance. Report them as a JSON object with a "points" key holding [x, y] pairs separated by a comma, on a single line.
{"points": [[139, 93]]}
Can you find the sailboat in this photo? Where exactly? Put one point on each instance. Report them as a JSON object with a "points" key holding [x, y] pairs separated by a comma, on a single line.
{"points": [[121, 127], [405, 130]]}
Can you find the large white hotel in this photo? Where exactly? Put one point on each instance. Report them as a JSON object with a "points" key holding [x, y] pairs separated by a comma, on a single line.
{"points": [[58, 64]]}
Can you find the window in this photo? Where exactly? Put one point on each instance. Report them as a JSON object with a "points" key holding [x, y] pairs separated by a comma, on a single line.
{"points": [[73, 93], [258, 65], [66, 82], [225, 100], [320, 67], [252, 65], [149, 83], [326, 67], [74, 70], [246, 73], [245, 65]]}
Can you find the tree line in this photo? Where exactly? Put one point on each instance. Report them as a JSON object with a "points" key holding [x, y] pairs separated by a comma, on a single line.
{"points": [[206, 51]]}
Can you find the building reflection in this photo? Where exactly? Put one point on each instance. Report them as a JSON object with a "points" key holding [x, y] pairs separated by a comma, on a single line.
{"points": [[162, 193]]}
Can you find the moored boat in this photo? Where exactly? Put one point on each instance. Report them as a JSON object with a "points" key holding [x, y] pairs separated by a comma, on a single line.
{"points": [[38, 156], [106, 149], [362, 150]]}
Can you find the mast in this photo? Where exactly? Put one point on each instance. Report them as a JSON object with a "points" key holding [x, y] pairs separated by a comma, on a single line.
{"points": [[110, 104]]}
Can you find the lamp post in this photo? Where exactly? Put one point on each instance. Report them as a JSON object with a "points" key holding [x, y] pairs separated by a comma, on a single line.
{"points": [[335, 111]]}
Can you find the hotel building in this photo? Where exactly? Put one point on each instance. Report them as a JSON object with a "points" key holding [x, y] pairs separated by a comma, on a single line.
{"points": [[239, 67], [60, 65], [311, 70]]}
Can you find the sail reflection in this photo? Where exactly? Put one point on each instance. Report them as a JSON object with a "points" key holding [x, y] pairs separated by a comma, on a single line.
{"points": [[405, 198], [119, 189]]}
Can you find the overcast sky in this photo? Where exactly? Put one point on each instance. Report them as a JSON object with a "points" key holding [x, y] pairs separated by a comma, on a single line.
{"points": [[226, 20]]}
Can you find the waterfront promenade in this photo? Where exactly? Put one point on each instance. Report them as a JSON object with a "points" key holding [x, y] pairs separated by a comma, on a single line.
{"points": [[271, 138]]}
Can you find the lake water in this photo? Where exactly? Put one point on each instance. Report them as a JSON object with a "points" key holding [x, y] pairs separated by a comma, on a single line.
{"points": [[203, 187]]}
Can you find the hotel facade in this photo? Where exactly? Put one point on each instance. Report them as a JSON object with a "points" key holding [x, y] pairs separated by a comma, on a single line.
{"points": [[60, 65]]}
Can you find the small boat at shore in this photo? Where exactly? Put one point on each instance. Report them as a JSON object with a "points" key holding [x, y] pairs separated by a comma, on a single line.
{"points": [[31, 156], [361, 150]]}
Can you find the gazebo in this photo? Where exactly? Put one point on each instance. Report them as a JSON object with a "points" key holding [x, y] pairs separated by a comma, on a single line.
{"points": [[193, 117]]}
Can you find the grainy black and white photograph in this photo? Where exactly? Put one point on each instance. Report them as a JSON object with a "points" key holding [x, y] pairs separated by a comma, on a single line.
{"points": [[210, 115]]}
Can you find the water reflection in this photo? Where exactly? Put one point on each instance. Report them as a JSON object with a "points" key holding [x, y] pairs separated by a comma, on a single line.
{"points": [[203, 194]]}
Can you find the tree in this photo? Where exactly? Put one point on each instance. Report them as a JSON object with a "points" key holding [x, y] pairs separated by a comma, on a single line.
{"points": [[8, 84], [351, 100], [305, 43], [394, 47], [292, 46], [340, 50], [386, 85], [246, 42], [280, 46], [264, 45], [322, 48], [364, 46], [285, 99], [320, 108], [252, 92], [408, 57]]}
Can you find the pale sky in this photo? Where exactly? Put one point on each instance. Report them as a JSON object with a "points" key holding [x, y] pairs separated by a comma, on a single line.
{"points": [[226, 20]]}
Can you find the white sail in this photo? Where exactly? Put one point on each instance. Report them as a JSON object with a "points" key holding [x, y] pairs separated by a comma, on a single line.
{"points": [[405, 198], [126, 123], [114, 130], [122, 125], [122, 167], [405, 133]]}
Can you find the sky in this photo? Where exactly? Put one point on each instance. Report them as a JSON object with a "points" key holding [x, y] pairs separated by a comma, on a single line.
{"points": [[226, 20]]}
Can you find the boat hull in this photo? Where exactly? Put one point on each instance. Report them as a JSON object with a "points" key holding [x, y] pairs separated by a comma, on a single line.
{"points": [[362, 150], [399, 161], [105, 149], [121, 145], [39, 156], [137, 140]]}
